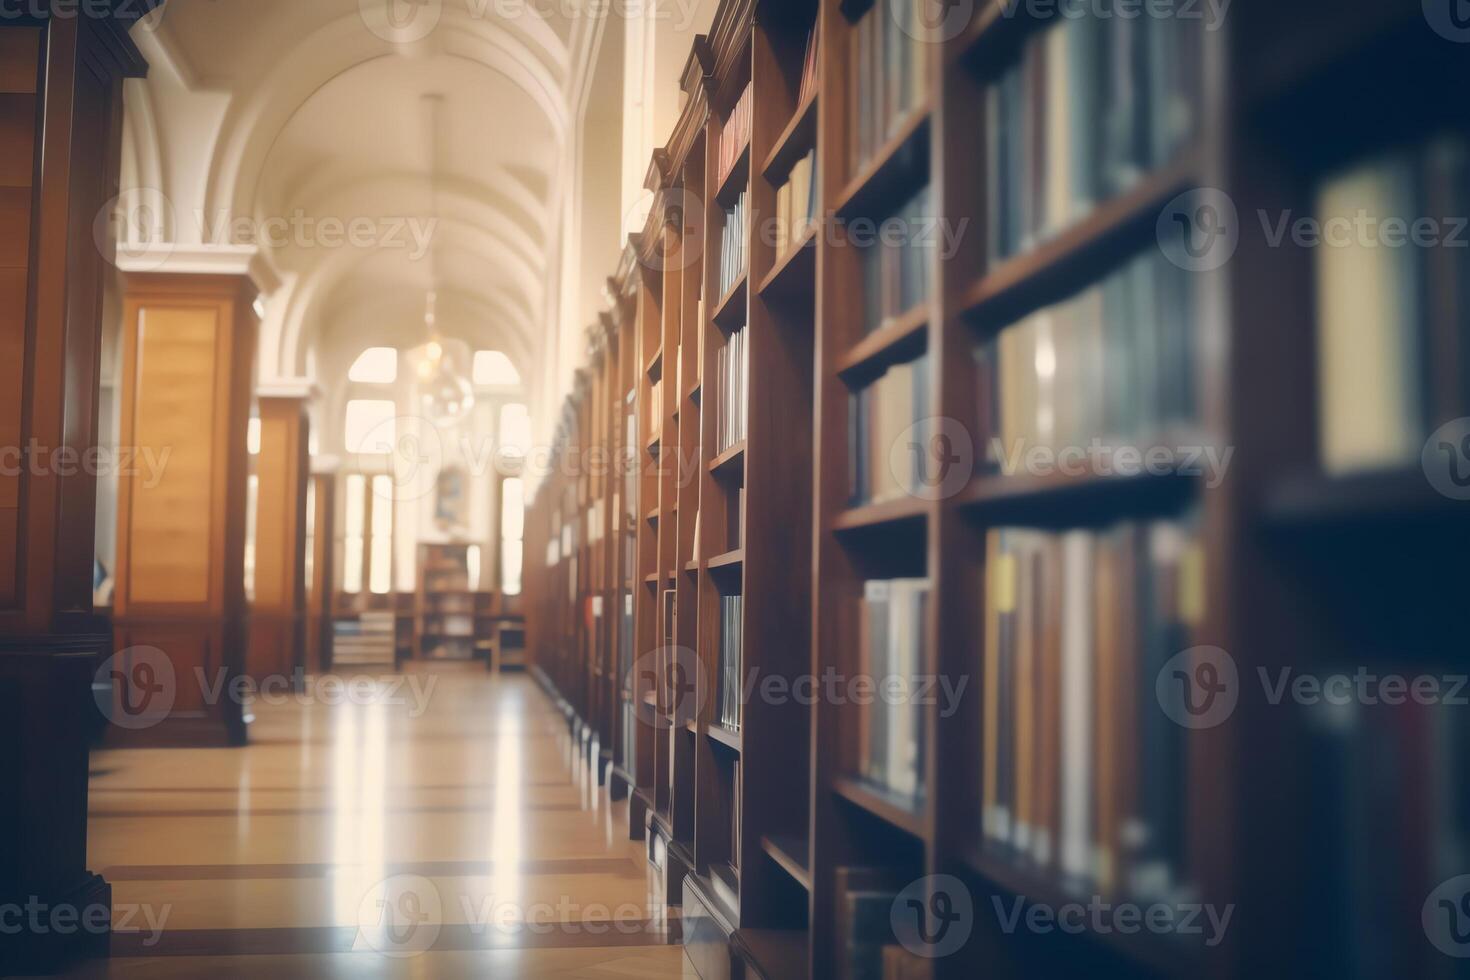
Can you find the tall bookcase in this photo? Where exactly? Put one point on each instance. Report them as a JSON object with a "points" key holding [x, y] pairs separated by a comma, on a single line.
{"points": [[1280, 560]]}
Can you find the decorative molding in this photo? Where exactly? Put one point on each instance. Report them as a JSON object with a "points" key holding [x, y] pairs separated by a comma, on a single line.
{"points": [[304, 389], [202, 260]]}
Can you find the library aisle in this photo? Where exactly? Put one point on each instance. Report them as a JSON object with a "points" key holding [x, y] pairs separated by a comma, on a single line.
{"points": [[275, 860]]}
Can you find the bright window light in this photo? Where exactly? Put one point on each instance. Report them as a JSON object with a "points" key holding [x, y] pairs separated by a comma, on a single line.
{"points": [[370, 428], [515, 429], [492, 368], [375, 366], [252, 437]]}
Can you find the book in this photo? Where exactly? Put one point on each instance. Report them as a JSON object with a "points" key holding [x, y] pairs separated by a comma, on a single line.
{"points": [[1110, 367], [892, 654], [809, 69], [891, 64], [735, 135], [1083, 776], [734, 252], [888, 428], [1386, 311], [1089, 106], [730, 657], [795, 204], [896, 276], [732, 365]]}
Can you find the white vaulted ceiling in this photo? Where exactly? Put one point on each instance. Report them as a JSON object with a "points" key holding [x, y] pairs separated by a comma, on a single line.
{"points": [[438, 112]]}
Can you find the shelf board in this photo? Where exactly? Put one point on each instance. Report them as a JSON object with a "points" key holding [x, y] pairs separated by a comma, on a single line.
{"points": [[890, 809], [730, 559], [889, 513], [1065, 501], [655, 365], [693, 394], [1078, 255], [901, 165], [793, 273], [721, 735], [652, 446], [651, 579], [775, 954], [652, 516], [730, 313], [692, 567], [1384, 497], [1155, 951], [795, 141], [732, 459], [737, 180], [792, 855], [898, 339]]}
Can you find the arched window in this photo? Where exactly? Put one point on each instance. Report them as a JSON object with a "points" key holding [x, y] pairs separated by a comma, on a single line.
{"points": [[375, 366], [494, 369]]}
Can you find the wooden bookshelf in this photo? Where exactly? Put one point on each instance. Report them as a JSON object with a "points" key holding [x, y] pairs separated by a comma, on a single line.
{"points": [[1296, 566]]}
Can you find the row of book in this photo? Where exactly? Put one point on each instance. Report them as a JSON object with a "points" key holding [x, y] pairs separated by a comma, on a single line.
{"points": [[1095, 101], [1114, 363], [1392, 311], [734, 135], [655, 422], [734, 254], [889, 436], [732, 363], [891, 652], [889, 60], [1385, 773], [1085, 777], [796, 203], [732, 625], [896, 277], [809, 74]]}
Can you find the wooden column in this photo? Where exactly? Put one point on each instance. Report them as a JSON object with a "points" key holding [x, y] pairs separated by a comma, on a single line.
{"points": [[322, 501], [278, 613], [188, 351], [61, 130]]}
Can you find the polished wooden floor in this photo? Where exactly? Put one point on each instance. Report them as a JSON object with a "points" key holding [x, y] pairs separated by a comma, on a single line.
{"points": [[369, 840]]}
